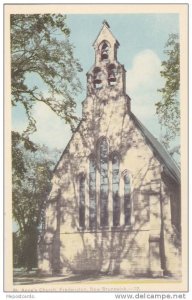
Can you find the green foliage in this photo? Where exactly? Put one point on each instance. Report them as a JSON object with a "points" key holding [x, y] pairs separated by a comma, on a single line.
{"points": [[40, 46], [25, 249], [168, 108], [40, 51], [31, 184]]}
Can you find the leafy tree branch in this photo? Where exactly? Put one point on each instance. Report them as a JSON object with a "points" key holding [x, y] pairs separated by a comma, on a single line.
{"points": [[168, 108], [40, 46]]}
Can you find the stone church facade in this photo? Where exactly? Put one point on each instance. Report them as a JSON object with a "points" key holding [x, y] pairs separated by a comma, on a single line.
{"points": [[114, 207]]}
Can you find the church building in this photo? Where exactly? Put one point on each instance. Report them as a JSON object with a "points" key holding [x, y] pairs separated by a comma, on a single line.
{"points": [[114, 207]]}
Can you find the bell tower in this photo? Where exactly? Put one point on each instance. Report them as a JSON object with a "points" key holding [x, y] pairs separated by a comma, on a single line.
{"points": [[105, 45], [106, 80]]}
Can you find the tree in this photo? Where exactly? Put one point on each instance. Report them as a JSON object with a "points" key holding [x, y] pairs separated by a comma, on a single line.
{"points": [[40, 47], [31, 184], [40, 51], [167, 108]]}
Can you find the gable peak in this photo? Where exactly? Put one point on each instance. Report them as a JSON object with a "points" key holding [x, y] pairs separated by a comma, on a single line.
{"points": [[105, 34], [106, 23]]}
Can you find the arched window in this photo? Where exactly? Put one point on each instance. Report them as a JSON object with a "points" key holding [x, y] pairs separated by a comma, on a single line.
{"points": [[127, 200], [104, 51], [92, 194], [112, 74], [103, 182], [115, 189], [82, 201]]}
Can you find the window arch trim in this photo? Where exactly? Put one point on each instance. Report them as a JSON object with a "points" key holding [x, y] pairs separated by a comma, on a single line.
{"points": [[98, 142]]}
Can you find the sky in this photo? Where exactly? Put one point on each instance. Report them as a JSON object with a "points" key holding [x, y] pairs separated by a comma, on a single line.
{"points": [[142, 39]]}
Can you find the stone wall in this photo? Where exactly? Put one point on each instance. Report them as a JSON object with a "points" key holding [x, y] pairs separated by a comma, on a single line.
{"points": [[125, 252], [143, 247]]}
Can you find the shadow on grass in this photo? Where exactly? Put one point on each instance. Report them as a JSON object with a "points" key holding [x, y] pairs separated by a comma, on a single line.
{"points": [[40, 279], [23, 280]]}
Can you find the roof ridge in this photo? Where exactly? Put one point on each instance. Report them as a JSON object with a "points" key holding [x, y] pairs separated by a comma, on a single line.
{"points": [[160, 149]]}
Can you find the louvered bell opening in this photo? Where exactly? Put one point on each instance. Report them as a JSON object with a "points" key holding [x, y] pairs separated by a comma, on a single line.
{"points": [[97, 78], [104, 55], [97, 81], [112, 77]]}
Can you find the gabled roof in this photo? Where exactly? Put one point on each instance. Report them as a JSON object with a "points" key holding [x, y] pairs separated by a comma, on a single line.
{"points": [[106, 25], [157, 147], [67, 146], [159, 150]]}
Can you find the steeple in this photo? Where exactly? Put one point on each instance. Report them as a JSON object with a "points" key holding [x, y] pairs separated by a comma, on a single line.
{"points": [[106, 81], [105, 45]]}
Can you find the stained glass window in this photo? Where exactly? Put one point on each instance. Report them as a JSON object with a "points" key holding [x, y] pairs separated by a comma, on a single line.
{"points": [[103, 183], [115, 189], [82, 201], [127, 200], [92, 194]]}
